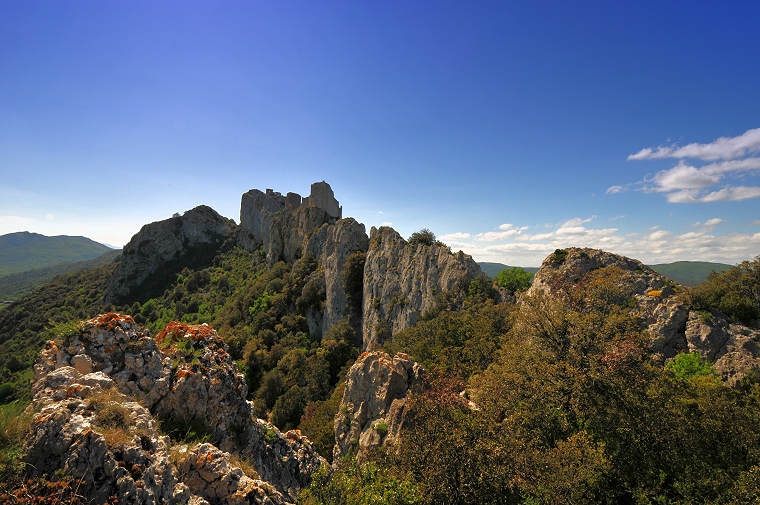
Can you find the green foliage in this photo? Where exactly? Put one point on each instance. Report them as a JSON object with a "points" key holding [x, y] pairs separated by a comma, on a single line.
{"points": [[354, 484], [689, 273], [424, 236], [559, 256], [735, 292], [514, 279], [15, 421], [688, 365], [14, 286], [317, 422], [461, 343]]}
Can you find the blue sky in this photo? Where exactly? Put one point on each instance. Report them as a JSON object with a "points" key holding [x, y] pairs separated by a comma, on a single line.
{"points": [[509, 129]]}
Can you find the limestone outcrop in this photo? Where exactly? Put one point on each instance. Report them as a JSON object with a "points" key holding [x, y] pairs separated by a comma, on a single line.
{"points": [[281, 224], [569, 266], [102, 392], [734, 349], [163, 247], [373, 406], [334, 244], [401, 281]]}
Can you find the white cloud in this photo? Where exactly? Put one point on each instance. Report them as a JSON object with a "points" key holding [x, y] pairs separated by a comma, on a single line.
{"points": [[709, 223], [655, 245], [508, 230], [725, 148], [454, 236], [727, 194], [682, 177], [687, 183], [612, 190]]}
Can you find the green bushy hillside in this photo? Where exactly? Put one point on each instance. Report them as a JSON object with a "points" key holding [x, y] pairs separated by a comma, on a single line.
{"points": [[553, 400], [259, 311], [28, 251], [13, 286]]}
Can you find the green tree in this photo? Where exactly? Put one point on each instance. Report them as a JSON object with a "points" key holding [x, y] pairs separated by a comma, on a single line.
{"points": [[514, 279], [424, 236], [735, 292]]}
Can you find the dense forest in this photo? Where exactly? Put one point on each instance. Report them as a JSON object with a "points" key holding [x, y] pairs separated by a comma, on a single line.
{"points": [[554, 399]]}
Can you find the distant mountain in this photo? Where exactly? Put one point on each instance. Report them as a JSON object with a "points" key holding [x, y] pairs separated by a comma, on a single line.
{"points": [[689, 273], [24, 251], [13, 286], [492, 269]]}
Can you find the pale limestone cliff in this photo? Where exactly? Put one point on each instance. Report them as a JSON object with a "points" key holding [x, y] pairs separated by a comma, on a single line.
{"points": [[402, 280], [333, 245], [281, 224]]}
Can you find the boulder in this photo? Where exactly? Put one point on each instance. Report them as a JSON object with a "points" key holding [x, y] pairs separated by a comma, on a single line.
{"points": [[372, 410]]}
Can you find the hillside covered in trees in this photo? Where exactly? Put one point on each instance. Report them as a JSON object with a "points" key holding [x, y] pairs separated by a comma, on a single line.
{"points": [[416, 377]]}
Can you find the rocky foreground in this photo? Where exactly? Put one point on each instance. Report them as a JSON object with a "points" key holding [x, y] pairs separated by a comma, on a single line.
{"points": [[101, 395]]}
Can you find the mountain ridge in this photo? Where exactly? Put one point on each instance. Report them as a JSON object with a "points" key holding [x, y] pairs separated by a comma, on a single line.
{"points": [[22, 251]]}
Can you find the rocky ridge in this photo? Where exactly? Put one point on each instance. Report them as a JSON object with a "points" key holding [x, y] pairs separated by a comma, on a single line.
{"points": [[100, 393], [402, 280], [673, 328], [191, 237]]}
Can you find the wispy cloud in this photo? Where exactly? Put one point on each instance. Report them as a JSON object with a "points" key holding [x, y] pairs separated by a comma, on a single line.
{"points": [[724, 148], [454, 236], [507, 230], [688, 183], [710, 223]]}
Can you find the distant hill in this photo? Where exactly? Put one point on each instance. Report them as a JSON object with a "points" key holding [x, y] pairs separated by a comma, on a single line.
{"points": [[689, 273], [492, 269], [13, 286], [24, 251]]}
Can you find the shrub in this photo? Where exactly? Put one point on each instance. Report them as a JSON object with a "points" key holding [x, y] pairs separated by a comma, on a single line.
{"points": [[689, 365], [424, 236], [559, 256]]}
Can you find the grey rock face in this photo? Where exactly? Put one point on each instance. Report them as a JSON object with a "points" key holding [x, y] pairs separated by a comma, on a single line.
{"points": [[91, 427], [281, 224], [372, 410], [402, 280], [333, 244], [158, 244], [734, 349], [575, 263]]}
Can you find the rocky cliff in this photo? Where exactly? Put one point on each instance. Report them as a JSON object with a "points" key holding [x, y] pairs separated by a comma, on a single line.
{"points": [[673, 328], [333, 245], [401, 281], [162, 248], [282, 224], [372, 410], [101, 395]]}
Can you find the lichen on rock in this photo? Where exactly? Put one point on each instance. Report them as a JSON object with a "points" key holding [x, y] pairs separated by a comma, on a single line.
{"points": [[105, 395]]}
